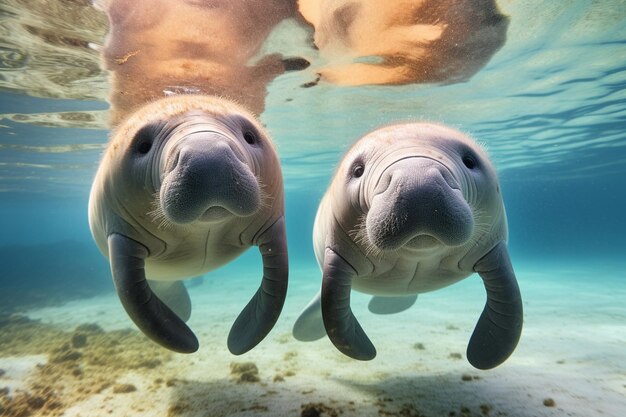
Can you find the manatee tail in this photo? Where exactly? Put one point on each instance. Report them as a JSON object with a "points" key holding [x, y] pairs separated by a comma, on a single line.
{"points": [[155, 319], [391, 305], [174, 295], [500, 325], [310, 326]]}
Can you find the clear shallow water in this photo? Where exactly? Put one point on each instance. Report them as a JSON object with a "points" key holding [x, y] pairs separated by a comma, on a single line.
{"points": [[550, 107]]}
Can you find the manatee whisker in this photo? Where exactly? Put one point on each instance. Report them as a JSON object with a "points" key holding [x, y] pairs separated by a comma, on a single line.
{"points": [[482, 226], [266, 199], [361, 238], [160, 219], [158, 215]]}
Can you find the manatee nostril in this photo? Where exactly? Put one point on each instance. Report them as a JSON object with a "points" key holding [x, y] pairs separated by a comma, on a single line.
{"points": [[172, 166], [383, 184], [449, 178]]}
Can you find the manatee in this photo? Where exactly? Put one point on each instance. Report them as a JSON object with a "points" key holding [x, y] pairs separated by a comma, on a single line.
{"points": [[187, 184], [412, 208]]}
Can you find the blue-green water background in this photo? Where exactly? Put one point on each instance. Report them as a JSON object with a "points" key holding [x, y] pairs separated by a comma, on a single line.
{"points": [[550, 107]]}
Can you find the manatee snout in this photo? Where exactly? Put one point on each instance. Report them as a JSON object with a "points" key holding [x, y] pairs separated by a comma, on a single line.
{"points": [[207, 180], [419, 204]]}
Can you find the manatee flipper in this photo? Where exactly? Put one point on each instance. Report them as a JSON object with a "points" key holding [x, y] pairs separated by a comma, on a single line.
{"points": [[174, 295], [310, 326], [151, 315], [500, 325], [391, 305], [342, 327], [259, 316]]}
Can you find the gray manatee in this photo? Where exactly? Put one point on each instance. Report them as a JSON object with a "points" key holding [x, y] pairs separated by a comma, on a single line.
{"points": [[412, 208], [187, 184]]}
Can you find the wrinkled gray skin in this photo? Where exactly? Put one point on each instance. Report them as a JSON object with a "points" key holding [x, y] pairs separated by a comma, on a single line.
{"points": [[412, 208], [186, 185]]}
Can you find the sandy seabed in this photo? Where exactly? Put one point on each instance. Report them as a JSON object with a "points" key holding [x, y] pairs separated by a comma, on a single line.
{"points": [[86, 359]]}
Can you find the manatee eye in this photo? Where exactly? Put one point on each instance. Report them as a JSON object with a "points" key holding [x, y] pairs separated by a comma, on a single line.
{"points": [[250, 137], [358, 170], [144, 138], [469, 161], [144, 147]]}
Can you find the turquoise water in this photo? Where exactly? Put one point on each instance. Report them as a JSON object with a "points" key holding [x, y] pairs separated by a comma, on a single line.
{"points": [[550, 107]]}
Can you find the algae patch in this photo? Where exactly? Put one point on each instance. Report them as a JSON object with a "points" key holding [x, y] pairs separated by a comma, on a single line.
{"points": [[244, 372], [81, 363]]}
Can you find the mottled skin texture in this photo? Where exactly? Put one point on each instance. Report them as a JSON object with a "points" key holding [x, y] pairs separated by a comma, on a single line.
{"points": [[190, 46], [404, 41], [186, 185], [412, 208]]}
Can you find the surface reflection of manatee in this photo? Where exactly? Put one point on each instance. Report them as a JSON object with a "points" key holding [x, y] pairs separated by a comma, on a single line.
{"points": [[404, 42], [167, 47], [154, 48]]}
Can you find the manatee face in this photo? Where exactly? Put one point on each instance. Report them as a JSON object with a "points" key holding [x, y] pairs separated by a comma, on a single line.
{"points": [[189, 167], [206, 174], [417, 187], [203, 168]]}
